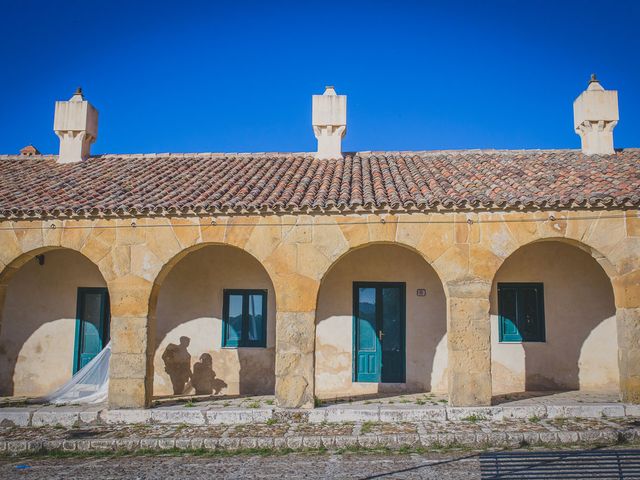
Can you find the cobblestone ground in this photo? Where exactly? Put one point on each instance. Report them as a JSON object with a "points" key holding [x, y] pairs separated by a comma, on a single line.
{"points": [[347, 466], [279, 435]]}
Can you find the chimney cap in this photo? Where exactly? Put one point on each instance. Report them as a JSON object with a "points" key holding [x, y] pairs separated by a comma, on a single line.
{"points": [[29, 150], [329, 90], [77, 95]]}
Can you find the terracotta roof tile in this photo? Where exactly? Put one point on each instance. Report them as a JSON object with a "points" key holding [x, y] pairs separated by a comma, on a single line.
{"points": [[157, 184]]}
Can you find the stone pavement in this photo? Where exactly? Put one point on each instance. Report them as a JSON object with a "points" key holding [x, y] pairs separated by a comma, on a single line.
{"points": [[292, 435], [179, 467], [250, 410], [405, 421]]}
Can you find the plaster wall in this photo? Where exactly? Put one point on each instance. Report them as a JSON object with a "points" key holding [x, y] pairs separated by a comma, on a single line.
{"points": [[581, 347], [190, 304], [37, 337], [426, 346]]}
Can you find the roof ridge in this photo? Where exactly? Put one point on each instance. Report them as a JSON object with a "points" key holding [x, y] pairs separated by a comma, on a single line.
{"points": [[360, 153]]}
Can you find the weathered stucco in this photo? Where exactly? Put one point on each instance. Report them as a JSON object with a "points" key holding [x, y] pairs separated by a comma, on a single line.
{"points": [[37, 344], [426, 322], [190, 305], [581, 347], [465, 250]]}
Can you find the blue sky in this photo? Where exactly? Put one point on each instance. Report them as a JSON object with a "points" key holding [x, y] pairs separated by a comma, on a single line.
{"points": [[201, 76]]}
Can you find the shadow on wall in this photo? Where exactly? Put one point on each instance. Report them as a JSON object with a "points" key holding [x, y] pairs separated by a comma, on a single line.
{"points": [[177, 364], [190, 305], [426, 355], [580, 350], [39, 321]]}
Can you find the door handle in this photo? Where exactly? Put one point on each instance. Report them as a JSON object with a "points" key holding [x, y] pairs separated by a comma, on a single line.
{"points": [[380, 334]]}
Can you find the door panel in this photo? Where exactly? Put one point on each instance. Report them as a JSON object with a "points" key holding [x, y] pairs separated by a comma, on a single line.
{"points": [[92, 325], [392, 335], [366, 342]]}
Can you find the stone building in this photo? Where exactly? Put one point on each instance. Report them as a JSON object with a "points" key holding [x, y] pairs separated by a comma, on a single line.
{"points": [[472, 272]]}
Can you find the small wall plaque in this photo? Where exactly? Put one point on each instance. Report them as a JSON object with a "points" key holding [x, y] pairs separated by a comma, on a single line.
{"points": [[421, 292]]}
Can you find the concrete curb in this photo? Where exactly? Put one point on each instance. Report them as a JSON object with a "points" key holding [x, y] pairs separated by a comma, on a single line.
{"points": [[75, 416], [331, 442]]}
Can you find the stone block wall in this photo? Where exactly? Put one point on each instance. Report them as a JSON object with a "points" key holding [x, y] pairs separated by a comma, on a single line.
{"points": [[135, 256]]}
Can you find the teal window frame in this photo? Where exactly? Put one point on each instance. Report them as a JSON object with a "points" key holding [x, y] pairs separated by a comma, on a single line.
{"points": [[506, 324], [105, 321], [243, 341]]}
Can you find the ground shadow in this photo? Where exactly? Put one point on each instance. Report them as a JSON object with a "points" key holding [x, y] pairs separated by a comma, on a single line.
{"points": [[578, 300]]}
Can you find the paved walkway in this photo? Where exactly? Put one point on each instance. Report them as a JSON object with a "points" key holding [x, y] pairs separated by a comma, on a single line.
{"points": [[320, 467], [405, 421], [288, 434], [251, 410]]}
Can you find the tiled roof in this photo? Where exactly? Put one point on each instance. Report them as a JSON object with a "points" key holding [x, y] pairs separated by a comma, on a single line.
{"points": [[161, 184]]}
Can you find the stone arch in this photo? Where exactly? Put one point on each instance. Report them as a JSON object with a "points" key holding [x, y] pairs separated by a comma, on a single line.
{"points": [[580, 350], [45, 333], [186, 298], [426, 345]]}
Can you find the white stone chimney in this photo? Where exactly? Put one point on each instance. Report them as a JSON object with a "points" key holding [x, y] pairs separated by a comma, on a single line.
{"points": [[76, 125], [595, 115], [329, 121]]}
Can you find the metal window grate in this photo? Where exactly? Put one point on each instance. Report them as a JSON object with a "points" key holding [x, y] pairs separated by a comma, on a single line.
{"points": [[601, 464]]}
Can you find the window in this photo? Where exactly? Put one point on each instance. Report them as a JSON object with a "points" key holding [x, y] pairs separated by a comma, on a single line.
{"points": [[244, 318], [521, 312]]}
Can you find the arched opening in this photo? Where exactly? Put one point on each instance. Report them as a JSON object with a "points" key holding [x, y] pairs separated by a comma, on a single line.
{"points": [[214, 325], [553, 325], [387, 297], [55, 319]]}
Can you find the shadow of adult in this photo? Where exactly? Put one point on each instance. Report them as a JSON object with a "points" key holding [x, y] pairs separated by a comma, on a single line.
{"points": [[204, 378], [177, 364]]}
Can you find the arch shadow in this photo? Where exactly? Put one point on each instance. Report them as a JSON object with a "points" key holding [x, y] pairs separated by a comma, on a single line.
{"points": [[426, 354], [38, 318], [185, 330], [580, 346]]}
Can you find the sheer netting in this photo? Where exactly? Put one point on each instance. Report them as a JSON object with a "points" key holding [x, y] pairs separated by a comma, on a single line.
{"points": [[89, 385]]}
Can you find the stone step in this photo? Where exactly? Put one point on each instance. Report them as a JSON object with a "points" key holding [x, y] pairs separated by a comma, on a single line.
{"points": [[69, 416]]}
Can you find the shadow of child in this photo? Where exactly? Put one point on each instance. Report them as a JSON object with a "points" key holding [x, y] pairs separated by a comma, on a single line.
{"points": [[204, 378]]}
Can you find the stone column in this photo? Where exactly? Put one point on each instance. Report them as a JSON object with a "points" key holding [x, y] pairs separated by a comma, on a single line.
{"points": [[130, 378], [627, 294], [628, 323], [469, 342], [295, 342]]}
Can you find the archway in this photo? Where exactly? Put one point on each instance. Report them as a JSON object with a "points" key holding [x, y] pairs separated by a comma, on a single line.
{"points": [[55, 317], [570, 342], [365, 271], [201, 344]]}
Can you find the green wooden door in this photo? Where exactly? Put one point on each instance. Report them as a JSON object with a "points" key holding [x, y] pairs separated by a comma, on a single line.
{"points": [[379, 338], [92, 325]]}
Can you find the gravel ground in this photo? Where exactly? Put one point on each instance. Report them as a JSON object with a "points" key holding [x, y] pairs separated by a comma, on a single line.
{"points": [[345, 466]]}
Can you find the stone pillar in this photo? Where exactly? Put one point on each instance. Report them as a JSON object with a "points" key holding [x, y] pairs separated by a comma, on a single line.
{"points": [[627, 293], [295, 344], [628, 323], [130, 372], [469, 342]]}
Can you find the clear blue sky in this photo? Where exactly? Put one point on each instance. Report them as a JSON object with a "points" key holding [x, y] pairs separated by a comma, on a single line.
{"points": [[201, 76]]}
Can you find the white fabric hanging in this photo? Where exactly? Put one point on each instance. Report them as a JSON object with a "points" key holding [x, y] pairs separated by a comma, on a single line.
{"points": [[89, 385]]}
